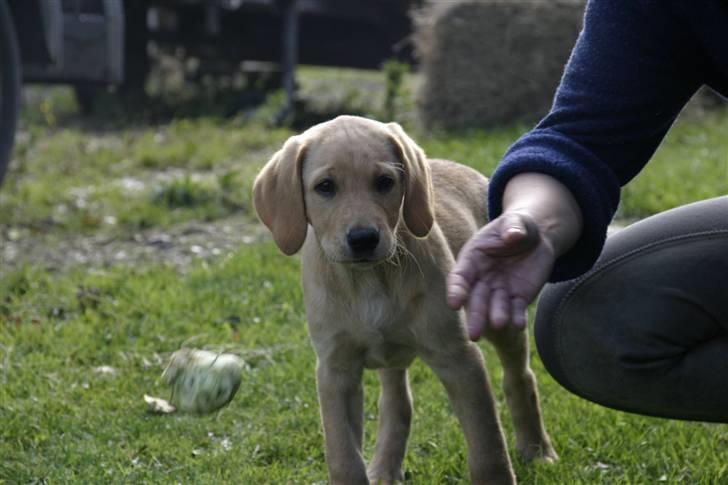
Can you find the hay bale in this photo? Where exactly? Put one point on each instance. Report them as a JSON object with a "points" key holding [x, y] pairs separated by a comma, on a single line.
{"points": [[490, 62]]}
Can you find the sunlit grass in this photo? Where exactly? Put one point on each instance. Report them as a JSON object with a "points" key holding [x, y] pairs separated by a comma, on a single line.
{"points": [[64, 420]]}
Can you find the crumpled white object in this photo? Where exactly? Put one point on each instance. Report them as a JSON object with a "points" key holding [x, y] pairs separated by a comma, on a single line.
{"points": [[202, 381], [158, 406]]}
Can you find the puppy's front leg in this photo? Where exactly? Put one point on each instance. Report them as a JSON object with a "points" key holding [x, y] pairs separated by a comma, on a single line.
{"points": [[395, 415], [463, 375], [342, 411]]}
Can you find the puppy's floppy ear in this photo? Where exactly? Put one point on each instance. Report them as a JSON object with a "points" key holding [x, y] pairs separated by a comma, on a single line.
{"points": [[278, 196], [418, 209]]}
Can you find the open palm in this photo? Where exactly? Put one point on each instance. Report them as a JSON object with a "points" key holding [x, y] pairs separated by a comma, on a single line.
{"points": [[499, 272]]}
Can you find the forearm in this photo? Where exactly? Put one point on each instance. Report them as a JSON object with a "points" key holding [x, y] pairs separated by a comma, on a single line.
{"points": [[633, 68], [551, 205]]}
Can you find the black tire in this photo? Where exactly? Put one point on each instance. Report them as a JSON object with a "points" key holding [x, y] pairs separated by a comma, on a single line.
{"points": [[86, 96], [136, 59], [9, 86]]}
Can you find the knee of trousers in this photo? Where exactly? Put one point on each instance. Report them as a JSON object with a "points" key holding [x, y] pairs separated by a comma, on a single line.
{"points": [[621, 328], [588, 341], [575, 341], [546, 331], [658, 290]]}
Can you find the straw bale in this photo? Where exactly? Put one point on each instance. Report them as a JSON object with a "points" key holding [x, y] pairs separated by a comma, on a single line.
{"points": [[489, 62]]}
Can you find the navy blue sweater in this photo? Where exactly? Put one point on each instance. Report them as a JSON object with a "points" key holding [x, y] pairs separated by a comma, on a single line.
{"points": [[635, 65]]}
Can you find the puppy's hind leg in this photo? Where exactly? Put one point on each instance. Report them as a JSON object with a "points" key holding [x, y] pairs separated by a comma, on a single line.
{"points": [[395, 415], [519, 386], [462, 372]]}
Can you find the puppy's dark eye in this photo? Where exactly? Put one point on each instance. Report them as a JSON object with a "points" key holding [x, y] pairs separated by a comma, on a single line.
{"points": [[326, 188], [384, 184]]}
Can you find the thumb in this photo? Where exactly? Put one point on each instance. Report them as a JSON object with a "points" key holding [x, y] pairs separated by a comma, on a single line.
{"points": [[518, 233]]}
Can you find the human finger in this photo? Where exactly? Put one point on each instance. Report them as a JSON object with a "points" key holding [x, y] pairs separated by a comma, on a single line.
{"points": [[519, 312], [478, 310], [500, 308], [458, 290], [462, 276]]}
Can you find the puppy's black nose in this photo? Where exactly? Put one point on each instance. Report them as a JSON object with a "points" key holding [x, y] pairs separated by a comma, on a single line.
{"points": [[362, 240]]}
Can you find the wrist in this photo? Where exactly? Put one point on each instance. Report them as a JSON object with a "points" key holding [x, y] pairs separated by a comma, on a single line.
{"points": [[550, 205], [560, 232]]}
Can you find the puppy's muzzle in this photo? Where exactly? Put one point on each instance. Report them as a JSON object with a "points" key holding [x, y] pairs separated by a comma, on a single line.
{"points": [[362, 241]]}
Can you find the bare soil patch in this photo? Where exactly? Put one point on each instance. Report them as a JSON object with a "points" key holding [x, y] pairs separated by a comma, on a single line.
{"points": [[178, 246]]}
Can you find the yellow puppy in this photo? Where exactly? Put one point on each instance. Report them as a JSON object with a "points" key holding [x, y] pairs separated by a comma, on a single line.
{"points": [[379, 226]]}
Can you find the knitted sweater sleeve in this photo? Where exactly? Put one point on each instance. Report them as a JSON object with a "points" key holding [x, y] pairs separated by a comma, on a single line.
{"points": [[633, 68]]}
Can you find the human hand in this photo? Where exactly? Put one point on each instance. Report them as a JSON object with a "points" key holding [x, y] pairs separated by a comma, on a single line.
{"points": [[499, 272]]}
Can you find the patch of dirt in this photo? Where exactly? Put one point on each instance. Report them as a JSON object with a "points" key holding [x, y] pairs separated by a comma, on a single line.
{"points": [[178, 246]]}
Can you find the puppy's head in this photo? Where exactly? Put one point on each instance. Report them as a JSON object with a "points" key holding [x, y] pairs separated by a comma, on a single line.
{"points": [[354, 181]]}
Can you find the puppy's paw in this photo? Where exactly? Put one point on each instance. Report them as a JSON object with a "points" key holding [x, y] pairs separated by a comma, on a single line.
{"points": [[385, 477], [541, 453], [384, 481]]}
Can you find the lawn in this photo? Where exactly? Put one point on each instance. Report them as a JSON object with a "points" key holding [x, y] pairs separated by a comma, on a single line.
{"points": [[80, 344]]}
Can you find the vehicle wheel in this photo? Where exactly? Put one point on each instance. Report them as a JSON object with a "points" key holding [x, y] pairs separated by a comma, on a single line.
{"points": [[136, 59], [86, 95], [9, 86]]}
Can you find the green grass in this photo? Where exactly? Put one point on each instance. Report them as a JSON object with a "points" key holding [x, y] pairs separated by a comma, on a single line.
{"points": [[68, 175], [71, 175], [691, 165], [65, 421]]}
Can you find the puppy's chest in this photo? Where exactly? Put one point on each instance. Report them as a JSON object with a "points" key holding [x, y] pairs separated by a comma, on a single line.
{"points": [[380, 321], [378, 304]]}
